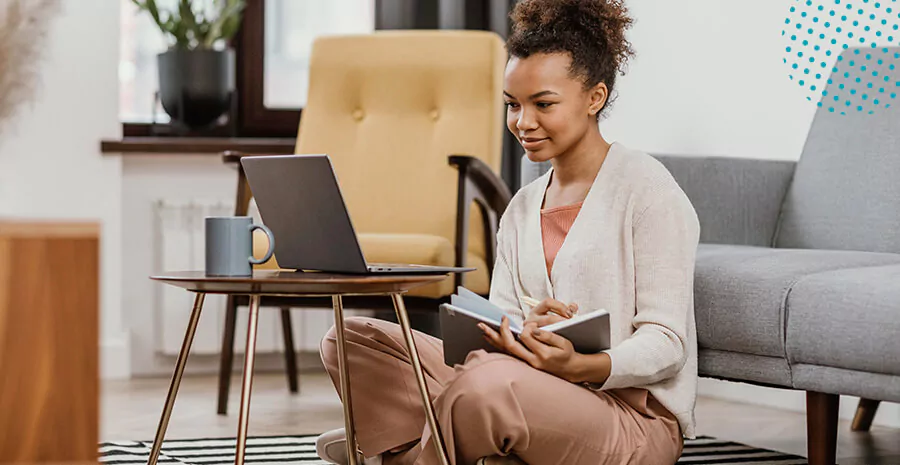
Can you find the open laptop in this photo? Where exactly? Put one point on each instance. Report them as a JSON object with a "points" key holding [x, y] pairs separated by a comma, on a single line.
{"points": [[300, 201]]}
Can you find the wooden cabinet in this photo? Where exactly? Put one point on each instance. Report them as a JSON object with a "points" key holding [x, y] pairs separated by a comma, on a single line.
{"points": [[49, 377]]}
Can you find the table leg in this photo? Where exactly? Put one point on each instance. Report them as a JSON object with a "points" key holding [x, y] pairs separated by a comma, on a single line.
{"points": [[345, 380], [247, 380], [437, 438], [176, 377]]}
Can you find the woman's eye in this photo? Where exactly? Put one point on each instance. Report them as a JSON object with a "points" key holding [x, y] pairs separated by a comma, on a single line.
{"points": [[512, 105], [544, 104]]}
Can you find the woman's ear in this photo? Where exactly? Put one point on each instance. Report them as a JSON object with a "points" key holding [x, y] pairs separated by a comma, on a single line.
{"points": [[598, 95]]}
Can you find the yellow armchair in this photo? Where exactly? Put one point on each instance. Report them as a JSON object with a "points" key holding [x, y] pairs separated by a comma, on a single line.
{"points": [[413, 123]]}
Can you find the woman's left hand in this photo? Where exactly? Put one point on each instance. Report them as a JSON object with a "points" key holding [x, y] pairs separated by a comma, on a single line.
{"points": [[543, 350]]}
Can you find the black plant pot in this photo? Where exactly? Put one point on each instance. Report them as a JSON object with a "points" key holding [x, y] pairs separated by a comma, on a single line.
{"points": [[195, 86]]}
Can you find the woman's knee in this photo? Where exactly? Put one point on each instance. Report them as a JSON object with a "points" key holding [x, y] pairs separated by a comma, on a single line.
{"points": [[352, 324], [328, 345], [482, 382]]}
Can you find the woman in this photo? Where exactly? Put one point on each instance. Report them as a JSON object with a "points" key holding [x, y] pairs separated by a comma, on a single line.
{"points": [[606, 228]]}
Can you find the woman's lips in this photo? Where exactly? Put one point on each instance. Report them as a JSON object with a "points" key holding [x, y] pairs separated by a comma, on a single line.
{"points": [[532, 143]]}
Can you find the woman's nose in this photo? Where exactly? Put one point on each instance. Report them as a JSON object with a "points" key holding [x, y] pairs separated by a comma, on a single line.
{"points": [[526, 121]]}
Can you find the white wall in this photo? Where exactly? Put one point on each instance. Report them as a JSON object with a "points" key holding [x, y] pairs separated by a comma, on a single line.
{"points": [[184, 179], [50, 161], [709, 79]]}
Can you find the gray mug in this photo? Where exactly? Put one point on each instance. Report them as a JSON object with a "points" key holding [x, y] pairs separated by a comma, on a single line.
{"points": [[229, 245]]}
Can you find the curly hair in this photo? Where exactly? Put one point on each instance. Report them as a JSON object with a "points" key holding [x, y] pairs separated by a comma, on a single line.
{"points": [[592, 32]]}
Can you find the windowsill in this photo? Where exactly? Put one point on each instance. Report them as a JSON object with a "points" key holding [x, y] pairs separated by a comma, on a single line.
{"points": [[197, 145]]}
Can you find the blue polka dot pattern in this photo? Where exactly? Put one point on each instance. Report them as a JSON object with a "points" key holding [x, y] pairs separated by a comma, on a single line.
{"points": [[818, 31]]}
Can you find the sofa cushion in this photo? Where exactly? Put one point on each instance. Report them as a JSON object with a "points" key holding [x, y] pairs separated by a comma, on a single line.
{"points": [[846, 382], [740, 291], [848, 319], [735, 366], [845, 193]]}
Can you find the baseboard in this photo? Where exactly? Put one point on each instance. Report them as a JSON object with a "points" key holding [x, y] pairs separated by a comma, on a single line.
{"points": [[115, 360], [787, 399]]}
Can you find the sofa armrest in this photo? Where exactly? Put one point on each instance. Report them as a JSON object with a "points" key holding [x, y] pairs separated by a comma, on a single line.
{"points": [[738, 200], [477, 183]]}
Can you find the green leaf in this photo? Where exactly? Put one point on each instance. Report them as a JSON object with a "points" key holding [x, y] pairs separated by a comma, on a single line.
{"points": [[233, 23], [150, 7], [190, 29], [188, 20], [202, 31], [230, 16]]}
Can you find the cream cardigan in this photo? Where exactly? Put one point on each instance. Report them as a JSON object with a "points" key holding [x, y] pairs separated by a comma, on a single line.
{"points": [[630, 251]]}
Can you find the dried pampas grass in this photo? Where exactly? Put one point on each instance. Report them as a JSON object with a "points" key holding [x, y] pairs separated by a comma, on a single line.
{"points": [[23, 28]]}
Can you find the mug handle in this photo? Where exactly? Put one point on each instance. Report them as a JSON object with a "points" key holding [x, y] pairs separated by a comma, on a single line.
{"points": [[271, 250]]}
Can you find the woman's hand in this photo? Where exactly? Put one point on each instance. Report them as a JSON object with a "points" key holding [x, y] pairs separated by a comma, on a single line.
{"points": [[543, 350], [550, 311]]}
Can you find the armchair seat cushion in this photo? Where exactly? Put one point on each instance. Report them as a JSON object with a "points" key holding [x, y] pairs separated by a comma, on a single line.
{"points": [[741, 292], [421, 249], [847, 319]]}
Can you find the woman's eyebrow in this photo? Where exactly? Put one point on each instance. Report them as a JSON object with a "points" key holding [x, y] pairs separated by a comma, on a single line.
{"points": [[533, 96]]}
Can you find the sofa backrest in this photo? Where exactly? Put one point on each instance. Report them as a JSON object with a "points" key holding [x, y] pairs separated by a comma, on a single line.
{"points": [[737, 200], [845, 194]]}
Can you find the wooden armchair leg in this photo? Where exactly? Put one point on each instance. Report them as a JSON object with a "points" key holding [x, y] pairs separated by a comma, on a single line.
{"points": [[226, 359], [290, 354], [821, 427], [865, 413]]}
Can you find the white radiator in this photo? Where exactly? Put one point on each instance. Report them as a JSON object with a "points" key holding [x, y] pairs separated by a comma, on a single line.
{"points": [[179, 245]]}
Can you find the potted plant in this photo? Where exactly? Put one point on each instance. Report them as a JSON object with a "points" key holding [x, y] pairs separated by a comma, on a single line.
{"points": [[196, 73]]}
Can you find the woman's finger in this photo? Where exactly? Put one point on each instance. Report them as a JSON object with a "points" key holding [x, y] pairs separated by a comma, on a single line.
{"points": [[554, 306], [548, 319], [491, 336], [534, 345], [514, 347], [550, 339], [505, 333]]}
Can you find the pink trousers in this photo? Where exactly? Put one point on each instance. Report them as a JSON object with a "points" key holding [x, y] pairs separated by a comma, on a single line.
{"points": [[492, 404]]}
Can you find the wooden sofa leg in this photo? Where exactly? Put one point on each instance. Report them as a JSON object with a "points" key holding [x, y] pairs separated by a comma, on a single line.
{"points": [[865, 413], [821, 427]]}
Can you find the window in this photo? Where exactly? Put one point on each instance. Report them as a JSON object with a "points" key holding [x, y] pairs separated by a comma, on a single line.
{"points": [[290, 28], [140, 41]]}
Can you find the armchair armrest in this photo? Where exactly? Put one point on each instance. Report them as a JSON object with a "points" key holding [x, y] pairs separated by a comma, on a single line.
{"points": [[477, 183], [738, 200], [243, 194]]}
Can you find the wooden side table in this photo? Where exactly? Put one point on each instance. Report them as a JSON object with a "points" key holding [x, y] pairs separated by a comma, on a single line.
{"points": [[297, 284]]}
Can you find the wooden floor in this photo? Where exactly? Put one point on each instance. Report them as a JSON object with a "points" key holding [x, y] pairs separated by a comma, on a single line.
{"points": [[131, 411]]}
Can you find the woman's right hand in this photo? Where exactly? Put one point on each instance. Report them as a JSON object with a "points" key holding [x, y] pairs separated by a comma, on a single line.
{"points": [[550, 311]]}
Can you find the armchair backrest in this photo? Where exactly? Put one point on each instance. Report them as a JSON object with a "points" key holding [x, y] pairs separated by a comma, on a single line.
{"points": [[390, 107]]}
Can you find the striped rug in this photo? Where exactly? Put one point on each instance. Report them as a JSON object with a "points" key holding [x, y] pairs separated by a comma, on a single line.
{"points": [[281, 450]]}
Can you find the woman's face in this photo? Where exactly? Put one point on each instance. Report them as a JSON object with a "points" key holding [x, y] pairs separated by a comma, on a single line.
{"points": [[547, 109]]}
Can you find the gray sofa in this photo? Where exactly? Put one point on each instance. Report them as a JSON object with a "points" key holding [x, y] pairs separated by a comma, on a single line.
{"points": [[797, 281]]}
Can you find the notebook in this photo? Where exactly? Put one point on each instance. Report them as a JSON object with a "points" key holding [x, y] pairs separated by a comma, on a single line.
{"points": [[588, 331]]}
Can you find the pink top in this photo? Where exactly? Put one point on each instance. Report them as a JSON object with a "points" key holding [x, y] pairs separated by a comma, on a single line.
{"points": [[555, 224]]}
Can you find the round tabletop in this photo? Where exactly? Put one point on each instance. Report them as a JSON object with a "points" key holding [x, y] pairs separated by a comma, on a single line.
{"points": [[298, 283]]}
